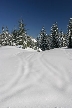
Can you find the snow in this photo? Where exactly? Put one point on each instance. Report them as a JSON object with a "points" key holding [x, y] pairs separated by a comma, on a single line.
{"points": [[34, 40], [31, 79]]}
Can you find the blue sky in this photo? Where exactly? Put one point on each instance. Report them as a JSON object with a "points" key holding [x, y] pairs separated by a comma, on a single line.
{"points": [[35, 13]]}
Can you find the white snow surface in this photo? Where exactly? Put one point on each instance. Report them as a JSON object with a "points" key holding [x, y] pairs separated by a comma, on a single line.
{"points": [[31, 79], [34, 40]]}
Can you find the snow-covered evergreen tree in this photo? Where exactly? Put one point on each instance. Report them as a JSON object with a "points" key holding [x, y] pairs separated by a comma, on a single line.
{"points": [[10, 39], [54, 36], [62, 39], [69, 34], [3, 37], [22, 36], [43, 42], [28, 41], [14, 37], [7, 36], [0, 40], [38, 41], [48, 42]]}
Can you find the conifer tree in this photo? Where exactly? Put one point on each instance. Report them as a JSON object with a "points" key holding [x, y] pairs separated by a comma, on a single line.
{"points": [[29, 41], [7, 36], [48, 42], [62, 39], [69, 34], [22, 35], [38, 41], [43, 40], [0, 40], [14, 36], [3, 38], [54, 36]]}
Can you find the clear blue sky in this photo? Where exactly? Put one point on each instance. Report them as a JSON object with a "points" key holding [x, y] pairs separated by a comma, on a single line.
{"points": [[35, 14]]}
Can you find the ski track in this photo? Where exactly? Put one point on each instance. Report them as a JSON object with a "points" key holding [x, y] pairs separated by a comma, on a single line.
{"points": [[68, 53], [57, 77], [32, 73], [24, 72], [12, 87]]}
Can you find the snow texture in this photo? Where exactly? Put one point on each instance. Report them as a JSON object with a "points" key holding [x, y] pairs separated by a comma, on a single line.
{"points": [[31, 79], [34, 40]]}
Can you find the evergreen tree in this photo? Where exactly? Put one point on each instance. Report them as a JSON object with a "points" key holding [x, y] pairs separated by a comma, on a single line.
{"points": [[38, 41], [43, 40], [54, 36], [7, 38], [69, 34], [61, 39], [48, 42], [29, 41], [3, 38], [0, 39], [22, 37], [14, 37]]}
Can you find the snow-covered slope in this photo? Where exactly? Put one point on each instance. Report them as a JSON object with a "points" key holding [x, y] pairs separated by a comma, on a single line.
{"points": [[30, 79]]}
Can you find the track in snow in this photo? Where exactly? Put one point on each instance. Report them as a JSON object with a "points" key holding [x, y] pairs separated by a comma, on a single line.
{"points": [[13, 86], [37, 73], [56, 76]]}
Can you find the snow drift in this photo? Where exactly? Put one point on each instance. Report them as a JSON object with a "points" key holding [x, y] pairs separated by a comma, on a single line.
{"points": [[31, 79]]}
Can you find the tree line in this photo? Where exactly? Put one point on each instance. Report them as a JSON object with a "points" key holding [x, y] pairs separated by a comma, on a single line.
{"points": [[44, 41], [16, 37], [56, 39]]}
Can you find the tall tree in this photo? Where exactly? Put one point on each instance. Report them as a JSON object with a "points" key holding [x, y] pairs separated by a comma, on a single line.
{"points": [[7, 35], [69, 34], [54, 36], [62, 39], [43, 43], [22, 35], [3, 37], [14, 36], [38, 41], [0, 39]]}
